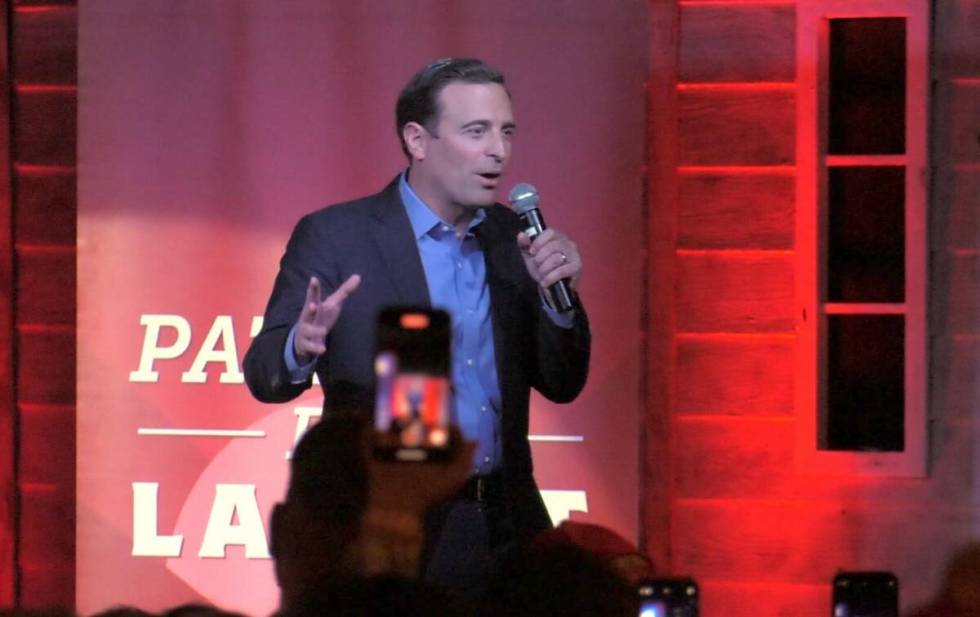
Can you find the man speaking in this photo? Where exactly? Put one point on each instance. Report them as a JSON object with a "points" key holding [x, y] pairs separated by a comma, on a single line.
{"points": [[435, 237]]}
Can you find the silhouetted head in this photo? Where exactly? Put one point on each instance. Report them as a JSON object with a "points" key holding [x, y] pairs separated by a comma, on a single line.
{"points": [[314, 529]]}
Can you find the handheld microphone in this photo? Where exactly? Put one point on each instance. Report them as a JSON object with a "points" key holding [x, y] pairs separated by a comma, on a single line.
{"points": [[524, 201]]}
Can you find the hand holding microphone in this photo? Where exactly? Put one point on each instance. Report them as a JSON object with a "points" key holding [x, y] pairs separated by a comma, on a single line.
{"points": [[552, 259]]}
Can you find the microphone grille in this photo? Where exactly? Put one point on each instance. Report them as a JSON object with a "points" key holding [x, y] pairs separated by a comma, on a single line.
{"points": [[523, 197]]}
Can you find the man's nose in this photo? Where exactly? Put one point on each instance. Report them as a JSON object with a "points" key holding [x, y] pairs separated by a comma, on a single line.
{"points": [[498, 146]]}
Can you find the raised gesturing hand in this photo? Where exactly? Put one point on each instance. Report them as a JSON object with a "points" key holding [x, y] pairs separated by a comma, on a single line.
{"points": [[318, 317]]}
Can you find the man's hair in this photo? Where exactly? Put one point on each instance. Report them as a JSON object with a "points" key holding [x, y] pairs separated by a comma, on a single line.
{"points": [[418, 101]]}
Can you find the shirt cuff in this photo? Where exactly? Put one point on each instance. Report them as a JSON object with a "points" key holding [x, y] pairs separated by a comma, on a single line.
{"points": [[297, 373], [563, 320]]}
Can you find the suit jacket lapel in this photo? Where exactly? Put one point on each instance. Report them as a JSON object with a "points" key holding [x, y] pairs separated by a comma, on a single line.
{"points": [[499, 242], [396, 244]]}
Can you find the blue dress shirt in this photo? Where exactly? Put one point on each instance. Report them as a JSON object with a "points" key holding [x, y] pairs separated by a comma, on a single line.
{"points": [[457, 278]]}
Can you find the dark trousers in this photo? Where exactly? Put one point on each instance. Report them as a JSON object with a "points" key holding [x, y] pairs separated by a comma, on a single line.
{"points": [[466, 541]]}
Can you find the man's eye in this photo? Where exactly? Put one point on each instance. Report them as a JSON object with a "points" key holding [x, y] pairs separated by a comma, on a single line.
{"points": [[475, 131]]}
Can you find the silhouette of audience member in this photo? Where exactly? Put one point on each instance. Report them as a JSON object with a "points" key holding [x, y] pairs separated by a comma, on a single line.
{"points": [[383, 595], [624, 558], [313, 532], [960, 593], [182, 610], [124, 611], [551, 579], [197, 610], [351, 524]]}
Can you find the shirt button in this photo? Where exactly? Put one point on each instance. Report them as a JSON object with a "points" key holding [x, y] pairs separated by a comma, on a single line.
{"points": [[445, 227], [459, 265], [469, 362], [486, 459], [483, 408]]}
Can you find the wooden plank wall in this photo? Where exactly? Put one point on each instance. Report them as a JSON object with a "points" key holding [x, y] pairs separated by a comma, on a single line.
{"points": [[44, 46], [8, 493], [656, 456], [955, 265], [762, 538], [733, 386]]}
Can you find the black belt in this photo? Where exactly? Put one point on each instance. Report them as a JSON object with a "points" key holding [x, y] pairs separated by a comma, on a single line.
{"points": [[484, 489]]}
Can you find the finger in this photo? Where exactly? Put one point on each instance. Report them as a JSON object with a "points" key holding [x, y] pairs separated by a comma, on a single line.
{"points": [[541, 240], [554, 276], [543, 263], [570, 269], [316, 346], [308, 314], [346, 288], [548, 257], [555, 253], [329, 309], [551, 242], [310, 341], [313, 291], [336, 299], [562, 245], [311, 344], [523, 241]]}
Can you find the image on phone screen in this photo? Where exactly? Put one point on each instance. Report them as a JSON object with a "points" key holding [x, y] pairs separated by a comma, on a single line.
{"points": [[668, 597], [413, 390], [865, 594], [412, 408], [653, 608]]}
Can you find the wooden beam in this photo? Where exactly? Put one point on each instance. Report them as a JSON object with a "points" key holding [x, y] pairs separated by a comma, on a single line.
{"points": [[8, 417], [743, 375], [655, 487], [761, 35], [45, 50], [734, 291], [737, 124], [748, 211]]}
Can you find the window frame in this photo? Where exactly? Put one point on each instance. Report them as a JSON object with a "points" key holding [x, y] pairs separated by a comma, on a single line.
{"points": [[812, 37]]}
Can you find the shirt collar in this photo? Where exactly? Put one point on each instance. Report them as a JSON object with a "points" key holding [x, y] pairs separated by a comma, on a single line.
{"points": [[423, 219]]}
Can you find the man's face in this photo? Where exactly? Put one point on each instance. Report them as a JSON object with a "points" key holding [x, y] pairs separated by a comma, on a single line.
{"points": [[471, 146]]}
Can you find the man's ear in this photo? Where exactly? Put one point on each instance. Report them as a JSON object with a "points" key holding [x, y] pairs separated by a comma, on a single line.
{"points": [[416, 140]]}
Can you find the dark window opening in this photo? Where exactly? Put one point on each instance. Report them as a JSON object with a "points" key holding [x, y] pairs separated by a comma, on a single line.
{"points": [[866, 234], [867, 86], [865, 383]]}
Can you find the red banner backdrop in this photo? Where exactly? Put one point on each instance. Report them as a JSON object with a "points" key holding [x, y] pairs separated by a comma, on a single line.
{"points": [[206, 130]]}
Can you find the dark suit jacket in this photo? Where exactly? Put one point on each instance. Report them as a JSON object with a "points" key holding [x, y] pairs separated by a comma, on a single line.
{"points": [[373, 237]]}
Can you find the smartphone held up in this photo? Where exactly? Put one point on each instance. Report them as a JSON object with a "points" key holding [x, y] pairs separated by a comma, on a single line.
{"points": [[668, 597], [413, 390], [865, 594]]}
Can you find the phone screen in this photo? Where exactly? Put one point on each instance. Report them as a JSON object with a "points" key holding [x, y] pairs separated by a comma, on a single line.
{"points": [[653, 608], [865, 594], [413, 393], [668, 597]]}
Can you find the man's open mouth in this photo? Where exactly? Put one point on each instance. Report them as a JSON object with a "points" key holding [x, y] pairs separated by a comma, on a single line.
{"points": [[489, 180]]}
